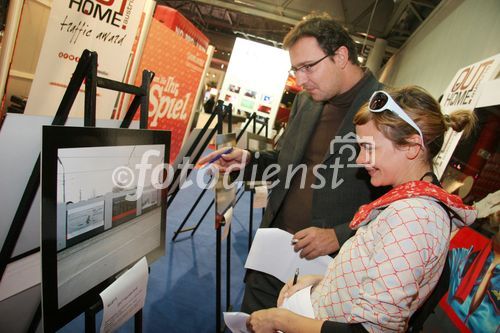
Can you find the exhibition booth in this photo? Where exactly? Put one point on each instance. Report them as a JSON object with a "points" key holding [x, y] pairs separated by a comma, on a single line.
{"points": [[100, 145]]}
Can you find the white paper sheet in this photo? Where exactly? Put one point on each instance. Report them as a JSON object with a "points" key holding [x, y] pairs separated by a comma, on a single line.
{"points": [[21, 275], [124, 297], [272, 253], [236, 321], [300, 303], [260, 198], [228, 217]]}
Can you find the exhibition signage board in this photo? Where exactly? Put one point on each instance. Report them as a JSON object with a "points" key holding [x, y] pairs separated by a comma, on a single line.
{"points": [[463, 93], [255, 78], [178, 66], [174, 20], [106, 27]]}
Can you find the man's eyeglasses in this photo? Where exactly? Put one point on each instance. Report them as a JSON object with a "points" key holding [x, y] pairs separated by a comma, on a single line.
{"points": [[382, 101], [307, 68]]}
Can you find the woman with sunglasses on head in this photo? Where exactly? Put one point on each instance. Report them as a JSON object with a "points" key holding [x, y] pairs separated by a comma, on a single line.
{"points": [[384, 273]]}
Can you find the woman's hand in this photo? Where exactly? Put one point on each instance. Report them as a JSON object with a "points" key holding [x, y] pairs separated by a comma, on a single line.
{"points": [[267, 320], [281, 320], [233, 161], [302, 282]]}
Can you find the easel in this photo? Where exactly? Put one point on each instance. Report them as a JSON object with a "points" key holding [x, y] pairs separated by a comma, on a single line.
{"points": [[248, 187], [86, 71], [220, 113], [252, 119], [218, 251], [218, 225], [219, 109]]}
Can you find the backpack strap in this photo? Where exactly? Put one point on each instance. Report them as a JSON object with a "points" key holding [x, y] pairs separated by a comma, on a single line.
{"points": [[418, 319]]}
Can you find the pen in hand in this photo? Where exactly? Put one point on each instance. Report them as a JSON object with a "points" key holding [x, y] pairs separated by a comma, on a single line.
{"points": [[217, 157], [295, 277]]}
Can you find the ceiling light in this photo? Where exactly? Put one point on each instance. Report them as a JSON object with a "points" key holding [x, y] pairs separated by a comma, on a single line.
{"points": [[244, 3]]}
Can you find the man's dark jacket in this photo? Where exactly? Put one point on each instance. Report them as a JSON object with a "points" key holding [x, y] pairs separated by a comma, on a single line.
{"points": [[331, 208]]}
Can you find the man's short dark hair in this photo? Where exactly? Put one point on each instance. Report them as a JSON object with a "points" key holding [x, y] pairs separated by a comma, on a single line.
{"points": [[328, 32]]}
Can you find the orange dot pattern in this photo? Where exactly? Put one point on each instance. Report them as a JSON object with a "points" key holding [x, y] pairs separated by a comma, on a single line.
{"points": [[178, 67]]}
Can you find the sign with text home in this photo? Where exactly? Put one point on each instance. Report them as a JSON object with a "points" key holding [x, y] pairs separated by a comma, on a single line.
{"points": [[107, 27]]}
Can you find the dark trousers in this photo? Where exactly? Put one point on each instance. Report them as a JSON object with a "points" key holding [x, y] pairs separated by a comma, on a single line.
{"points": [[261, 291]]}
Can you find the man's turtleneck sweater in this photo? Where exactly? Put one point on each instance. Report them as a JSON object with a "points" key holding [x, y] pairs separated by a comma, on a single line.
{"points": [[295, 212]]}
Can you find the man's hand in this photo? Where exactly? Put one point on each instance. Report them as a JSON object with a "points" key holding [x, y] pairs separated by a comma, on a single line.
{"points": [[234, 161], [314, 242]]}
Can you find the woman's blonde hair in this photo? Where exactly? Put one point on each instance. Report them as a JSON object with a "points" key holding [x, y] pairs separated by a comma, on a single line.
{"points": [[425, 111]]}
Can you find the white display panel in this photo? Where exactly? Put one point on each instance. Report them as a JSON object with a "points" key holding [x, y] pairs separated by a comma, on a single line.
{"points": [[463, 93], [255, 78]]}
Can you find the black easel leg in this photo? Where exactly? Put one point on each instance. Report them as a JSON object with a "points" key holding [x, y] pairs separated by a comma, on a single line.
{"points": [[202, 217], [241, 194], [228, 271], [138, 322], [218, 281], [250, 222], [179, 230], [89, 321]]}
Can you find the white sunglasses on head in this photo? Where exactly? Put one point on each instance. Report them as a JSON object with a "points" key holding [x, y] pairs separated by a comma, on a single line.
{"points": [[382, 101]]}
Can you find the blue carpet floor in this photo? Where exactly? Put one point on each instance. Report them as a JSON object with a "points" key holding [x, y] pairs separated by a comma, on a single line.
{"points": [[181, 287]]}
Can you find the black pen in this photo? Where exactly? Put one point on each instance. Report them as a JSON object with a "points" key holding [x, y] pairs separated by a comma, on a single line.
{"points": [[295, 276]]}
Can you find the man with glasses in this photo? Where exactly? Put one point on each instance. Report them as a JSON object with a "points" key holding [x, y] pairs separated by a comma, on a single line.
{"points": [[324, 62], [316, 211]]}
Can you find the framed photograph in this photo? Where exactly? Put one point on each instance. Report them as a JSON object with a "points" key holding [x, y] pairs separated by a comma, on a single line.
{"points": [[103, 208], [266, 99], [234, 88], [247, 103], [250, 93], [264, 108], [256, 142]]}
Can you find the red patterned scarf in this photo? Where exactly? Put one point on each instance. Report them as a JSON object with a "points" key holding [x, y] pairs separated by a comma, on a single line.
{"points": [[411, 189]]}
